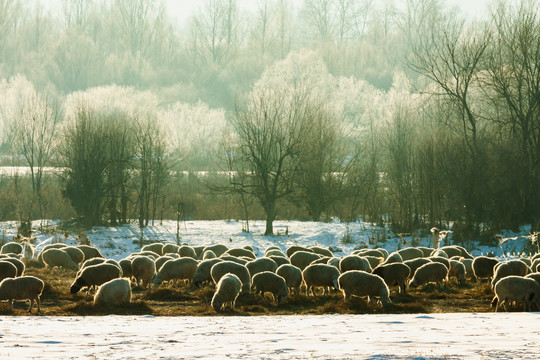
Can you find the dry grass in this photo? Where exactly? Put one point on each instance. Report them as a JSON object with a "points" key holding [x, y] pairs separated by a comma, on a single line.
{"points": [[187, 300]]}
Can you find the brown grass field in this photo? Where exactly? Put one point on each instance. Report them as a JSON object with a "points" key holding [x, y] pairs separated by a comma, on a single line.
{"points": [[186, 300]]}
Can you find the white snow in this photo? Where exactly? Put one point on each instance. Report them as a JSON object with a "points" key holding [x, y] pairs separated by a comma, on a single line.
{"points": [[448, 336]]}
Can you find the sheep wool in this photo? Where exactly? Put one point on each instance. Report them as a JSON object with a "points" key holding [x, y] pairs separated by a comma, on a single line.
{"points": [[143, 269], [261, 264], [95, 275], [483, 267], [320, 275], [303, 258], [7, 270], [394, 274], [431, 272], [221, 268], [58, 258], [22, 288], [292, 276], [268, 281], [361, 283], [114, 292], [176, 269], [90, 251], [11, 248], [202, 273], [516, 288], [227, 291], [511, 267]]}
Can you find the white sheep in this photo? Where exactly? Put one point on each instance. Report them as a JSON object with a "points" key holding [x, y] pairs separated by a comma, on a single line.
{"points": [[227, 257], [431, 272], [440, 259], [241, 252], [416, 263], [279, 260], [274, 252], [95, 275], [11, 248], [303, 258], [410, 253], [457, 270], [354, 262], [322, 251], [320, 275], [125, 264], [426, 250], [202, 273], [469, 272], [439, 253], [113, 292], [154, 247], [209, 254], [483, 267], [7, 270], [394, 257], [227, 290], [361, 283], [218, 249], [294, 248], [22, 288], [511, 267], [47, 247], [261, 264], [17, 263], [187, 251], [76, 254], [170, 248], [143, 269], [516, 288], [224, 267], [90, 251], [292, 275], [162, 260], [268, 281], [176, 269], [394, 274], [58, 258]]}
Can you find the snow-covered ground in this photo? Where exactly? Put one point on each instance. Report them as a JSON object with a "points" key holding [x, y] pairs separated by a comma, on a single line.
{"points": [[447, 336]]}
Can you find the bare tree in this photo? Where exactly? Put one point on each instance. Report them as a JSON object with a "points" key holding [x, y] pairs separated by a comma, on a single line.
{"points": [[319, 16]]}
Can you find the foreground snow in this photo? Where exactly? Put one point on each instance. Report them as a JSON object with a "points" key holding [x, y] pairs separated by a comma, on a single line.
{"points": [[449, 336]]}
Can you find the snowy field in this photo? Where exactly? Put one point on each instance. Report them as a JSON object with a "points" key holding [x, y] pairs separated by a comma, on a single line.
{"points": [[433, 336]]}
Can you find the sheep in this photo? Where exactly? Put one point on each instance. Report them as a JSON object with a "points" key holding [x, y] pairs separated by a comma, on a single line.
{"points": [[354, 262], [394, 257], [483, 267], [294, 248], [320, 275], [511, 267], [303, 258], [322, 251], [261, 264], [95, 275], [76, 254], [90, 262], [11, 248], [394, 274], [322, 260], [199, 250], [187, 251], [147, 253], [371, 252], [440, 259], [202, 273], [154, 247], [426, 250], [221, 268], [162, 260], [209, 254], [455, 250], [410, 253], [292, 275], [170, 248], [183, 268], [469, 273], [7, 270], [218, 249], [143, 269], [268, 281], [374, 261], [22, 288], [527, 261], [439, 253], [534, 265], [238, 252], [273, 247], [279, 260], [90, 251], [274, 252], [457, 270], [18, 264], [112, 293], [58, 257], [227, 290], [335, 262], [534, 275], [516, 288], [416, 263], [249, 247], [361, 283], [431, 272], [227, 257], [125, 264]]}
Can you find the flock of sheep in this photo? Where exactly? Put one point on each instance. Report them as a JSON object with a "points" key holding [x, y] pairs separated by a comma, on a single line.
{"points": [[364, 273]]}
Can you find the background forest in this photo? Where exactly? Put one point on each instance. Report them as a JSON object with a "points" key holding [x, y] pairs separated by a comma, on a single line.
{"points": [[399, 112]]}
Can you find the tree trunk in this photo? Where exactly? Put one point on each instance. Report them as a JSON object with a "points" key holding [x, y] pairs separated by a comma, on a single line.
{"points": [[270, 216]]}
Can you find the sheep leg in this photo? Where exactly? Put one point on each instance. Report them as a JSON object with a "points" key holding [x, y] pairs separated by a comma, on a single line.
{"points": [[10, 305], [31, 305], [38, 301], [264, 297]]}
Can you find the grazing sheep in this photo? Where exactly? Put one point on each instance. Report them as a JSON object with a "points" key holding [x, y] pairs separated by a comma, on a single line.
{"points": [[22, 288], [371, 252], [268, 281], [320, 275], [354, 262], [273, 247], [426, 250], [241, 252], [227, 290], [469, 272], [125, 264], [261, 264], [18, 264], [162, 260], [218, 249], [534, 265], [176, 269], [335, 262], [416, 263], [394, 274], [292, 276], [322, 251], [7, 270], [202, 273], [90, 262], [227, 257], [95, 275], [294, 248], [361, 283], [432, 272], [323, 260], [58, 257], [187, 251], [440, 259], [394, 257], [279, 260], [209, 254], [199, 251], [113, 293], [534, 275], [90, 251], [455, 250], [374, 261], [527, 261], [274, 252], [221, 268], [303, 258], [147, 253], [516, 288], [410, 253], [11, 248], [439, 253], [170, 248], [154, 247], [483, 267], [76, 254], [457, 270], [511, 267], [143, 269]]}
